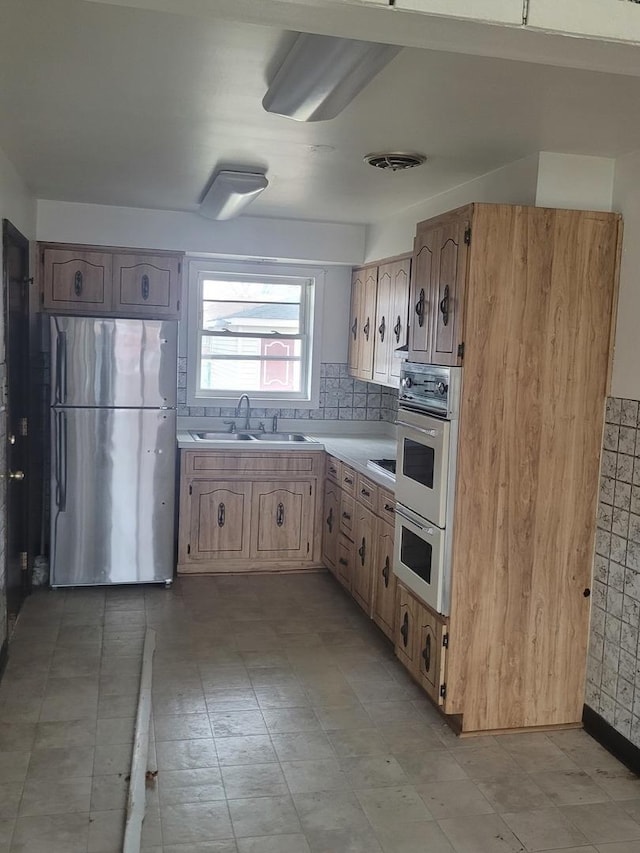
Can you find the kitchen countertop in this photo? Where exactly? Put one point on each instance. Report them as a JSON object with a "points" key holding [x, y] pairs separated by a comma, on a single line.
{"points": [[354, 449]]}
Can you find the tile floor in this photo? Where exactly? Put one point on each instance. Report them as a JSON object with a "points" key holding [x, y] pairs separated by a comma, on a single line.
{"points": [[282, 724]]}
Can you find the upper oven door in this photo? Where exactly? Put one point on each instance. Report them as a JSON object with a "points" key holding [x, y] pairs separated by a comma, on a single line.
{"points": [[422, 466]]}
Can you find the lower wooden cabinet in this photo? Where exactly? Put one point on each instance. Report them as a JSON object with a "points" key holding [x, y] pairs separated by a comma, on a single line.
{"points": [[282, 520], [242, 524], [365, 531], [421, 643], [383, 608], [331, 524]]}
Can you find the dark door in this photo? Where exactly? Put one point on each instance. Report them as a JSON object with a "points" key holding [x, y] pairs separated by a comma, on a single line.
{"points": [[16, 322]]}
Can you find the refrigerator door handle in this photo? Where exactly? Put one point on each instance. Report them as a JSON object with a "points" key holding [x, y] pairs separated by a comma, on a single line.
{"points": [[61, 368], [61, 461]]}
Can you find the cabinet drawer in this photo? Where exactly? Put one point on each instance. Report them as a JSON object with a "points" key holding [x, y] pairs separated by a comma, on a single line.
{"points": [[367, 492], [347, 513], [348, 479], [250, 463], [386, 505], [333, 469]]}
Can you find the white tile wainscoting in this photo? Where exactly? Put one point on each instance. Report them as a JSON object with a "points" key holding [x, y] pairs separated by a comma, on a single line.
{"points": [[613, 673]]}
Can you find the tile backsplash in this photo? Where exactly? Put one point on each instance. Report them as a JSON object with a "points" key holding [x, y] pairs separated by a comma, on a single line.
{"points": [[341, 399], [613, 671]]}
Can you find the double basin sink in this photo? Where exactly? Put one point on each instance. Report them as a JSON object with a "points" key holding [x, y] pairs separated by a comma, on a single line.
{"points": [[249, 436]]}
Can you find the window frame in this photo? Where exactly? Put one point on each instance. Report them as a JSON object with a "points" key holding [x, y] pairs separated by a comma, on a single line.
{"points": [[312, 279]]}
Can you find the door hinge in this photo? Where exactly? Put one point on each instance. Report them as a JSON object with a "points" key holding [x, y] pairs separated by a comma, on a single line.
{"points": [[23, 427], [443, 691], [188, 549], [24, 561], [467, 236], [525, 11], [190, 490], [460, 350], [445, 641]]}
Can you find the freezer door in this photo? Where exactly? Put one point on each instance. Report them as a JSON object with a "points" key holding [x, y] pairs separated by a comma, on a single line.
{"points": [[97, 361], [112, 496]]}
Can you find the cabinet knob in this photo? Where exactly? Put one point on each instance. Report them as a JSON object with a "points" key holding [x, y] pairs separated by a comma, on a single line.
{"points": [[404, 629], [385, 573], [144, 287], [397, 329], [420, 307], [426, 654], [362, 550], [381, 330], [444, 306], [77, 283]]}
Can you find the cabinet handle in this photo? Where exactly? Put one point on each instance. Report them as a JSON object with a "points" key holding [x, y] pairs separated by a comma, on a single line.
{"points": [[385, 572], [404, 630], [354, 328], [426, 654], [333, 470], [349, 481], [221, 515], [364, 492], [362, 550], [397, 329], [280, 515], [77, 283], [381, 330], [343, 562], [444, 306], [420, 308], [330, 520], [144, 286], [346, 515], [389, 508], [366, 329]]}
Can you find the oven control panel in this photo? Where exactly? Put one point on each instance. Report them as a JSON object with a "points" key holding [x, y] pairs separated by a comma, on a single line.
{"points": [[430, 388]]}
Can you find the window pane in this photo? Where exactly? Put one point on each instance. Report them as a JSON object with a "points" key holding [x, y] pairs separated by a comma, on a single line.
{"points": [[251, 317], [250, 291], [256, 347], [248, 375]]}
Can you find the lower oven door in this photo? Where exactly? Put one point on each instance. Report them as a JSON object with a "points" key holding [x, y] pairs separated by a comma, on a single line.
{"points": [[419, 558], [422, 470]]}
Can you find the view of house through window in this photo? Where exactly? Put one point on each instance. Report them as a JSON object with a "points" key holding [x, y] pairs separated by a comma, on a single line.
{"points": [[254, 335]]}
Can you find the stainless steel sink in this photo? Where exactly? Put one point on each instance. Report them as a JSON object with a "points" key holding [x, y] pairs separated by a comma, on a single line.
{"points": [[221, 436], [279, 436]]}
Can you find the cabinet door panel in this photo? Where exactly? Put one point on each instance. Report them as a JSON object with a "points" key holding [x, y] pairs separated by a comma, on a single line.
{"points": [[77, 280], [345, 567], [383, 331], [431, 653], [331, 524], [367, 324], [398, 314], [406, 631], [420, 299], [218, 522], [364, 559], [357, 289], [449, 289], [282, 519], [146, 284], [384, 581]]}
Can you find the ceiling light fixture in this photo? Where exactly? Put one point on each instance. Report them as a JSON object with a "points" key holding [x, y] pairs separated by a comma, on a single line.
{"points": [[230, 192], [321, 75]]}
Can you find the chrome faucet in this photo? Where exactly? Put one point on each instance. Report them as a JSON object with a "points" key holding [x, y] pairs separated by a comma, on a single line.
{"points": [[247, 420]]}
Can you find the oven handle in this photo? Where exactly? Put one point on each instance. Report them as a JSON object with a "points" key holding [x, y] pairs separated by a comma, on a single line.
{"points": [[431, 432], [428, 530]]}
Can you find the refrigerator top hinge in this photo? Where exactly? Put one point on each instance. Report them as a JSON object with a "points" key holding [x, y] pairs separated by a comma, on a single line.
{"points": [[445, 641]]}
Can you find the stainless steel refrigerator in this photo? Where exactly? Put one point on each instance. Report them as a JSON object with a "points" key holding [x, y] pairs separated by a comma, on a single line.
{"points": [[113, 448]]}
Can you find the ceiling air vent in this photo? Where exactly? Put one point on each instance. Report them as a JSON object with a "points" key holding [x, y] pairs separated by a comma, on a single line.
{"points": [[397, 161]]}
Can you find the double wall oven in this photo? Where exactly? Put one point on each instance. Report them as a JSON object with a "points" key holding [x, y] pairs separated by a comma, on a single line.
{"points": [[425, 474]]}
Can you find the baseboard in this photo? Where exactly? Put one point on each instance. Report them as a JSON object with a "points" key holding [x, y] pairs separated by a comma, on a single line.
{"points": [[612, 740]]}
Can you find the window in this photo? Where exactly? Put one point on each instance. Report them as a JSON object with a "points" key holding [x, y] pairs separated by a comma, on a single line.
{"points": [[253, 334]]}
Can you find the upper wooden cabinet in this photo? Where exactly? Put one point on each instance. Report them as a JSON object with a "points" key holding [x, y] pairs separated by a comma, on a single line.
{"points": [[438, 282], [87, 280], [378, 322]]}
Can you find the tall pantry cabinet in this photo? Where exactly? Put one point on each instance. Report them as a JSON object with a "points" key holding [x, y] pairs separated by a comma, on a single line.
{"points": [[524, 298]]}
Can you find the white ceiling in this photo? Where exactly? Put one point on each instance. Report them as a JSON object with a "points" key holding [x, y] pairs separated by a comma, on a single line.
{"points": [[112, 105]]}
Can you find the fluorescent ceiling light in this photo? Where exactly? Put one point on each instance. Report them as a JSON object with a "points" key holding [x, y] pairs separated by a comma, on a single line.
{"points": [[230, 192], [321, 75]]}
